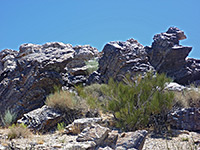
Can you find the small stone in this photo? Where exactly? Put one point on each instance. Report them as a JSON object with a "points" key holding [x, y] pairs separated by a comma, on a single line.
{"points": [[131, 140], [94, 133]]}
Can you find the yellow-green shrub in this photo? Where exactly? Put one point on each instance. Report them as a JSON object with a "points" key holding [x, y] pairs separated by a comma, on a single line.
{"points": [[18, 130], [62, 100]]}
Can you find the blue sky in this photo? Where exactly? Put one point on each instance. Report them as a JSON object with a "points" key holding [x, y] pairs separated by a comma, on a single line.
{"points": [[96, 22]]}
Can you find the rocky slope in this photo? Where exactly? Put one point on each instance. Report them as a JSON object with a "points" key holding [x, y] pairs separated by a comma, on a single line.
{"points": [[29, 75]]}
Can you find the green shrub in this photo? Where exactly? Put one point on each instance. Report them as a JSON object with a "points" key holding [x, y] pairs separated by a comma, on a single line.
{"points": [[133, 104], [92, 65], [9, 118], [17, 131]]}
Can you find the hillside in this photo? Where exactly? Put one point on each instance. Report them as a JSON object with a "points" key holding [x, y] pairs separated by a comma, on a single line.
{"points": [[44, 88]]}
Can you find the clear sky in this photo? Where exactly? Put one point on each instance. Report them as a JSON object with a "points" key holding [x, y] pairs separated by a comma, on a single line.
{"points": [[96, 22]]}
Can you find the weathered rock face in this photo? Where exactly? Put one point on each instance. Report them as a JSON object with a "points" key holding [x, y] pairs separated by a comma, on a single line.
{"points": [[28, 76], [168, 56], [185, 118], [120, 58], [42, 119]]}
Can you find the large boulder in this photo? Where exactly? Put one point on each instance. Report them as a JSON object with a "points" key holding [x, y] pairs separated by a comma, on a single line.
{"points": [[42, 119], [166, 55], [28, 76], [121, 58]]}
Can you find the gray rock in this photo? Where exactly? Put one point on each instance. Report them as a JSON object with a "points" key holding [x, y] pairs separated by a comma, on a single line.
{"points": [[121, 58], [79, 124], [172, 86], [111, 140], [105, 148], [2, 147], [94, 133], [131, 140], [42, 119], [185, 118], [88, 145], [28, 76], [166, 55]]}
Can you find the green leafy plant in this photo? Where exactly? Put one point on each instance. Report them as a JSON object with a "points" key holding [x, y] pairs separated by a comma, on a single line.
{"points": [[18, 130], [92, 65], [9, 118]]}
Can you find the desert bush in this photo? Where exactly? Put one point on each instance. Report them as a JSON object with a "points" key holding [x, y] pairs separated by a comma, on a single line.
{"points": [[187, 98], [62, 100], [92, 65], [8, 118], [18, 131], [133, 103]]}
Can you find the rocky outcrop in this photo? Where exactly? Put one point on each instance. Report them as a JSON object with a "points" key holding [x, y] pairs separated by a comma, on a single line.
{"points": [[166, 55], [185, 118], [119, 59], [28, 76], [42, 119], [46, 118]]}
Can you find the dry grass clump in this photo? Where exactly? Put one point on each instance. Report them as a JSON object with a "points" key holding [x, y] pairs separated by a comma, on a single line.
{"points": [[63, 100], [188, 98], [18, 131]]}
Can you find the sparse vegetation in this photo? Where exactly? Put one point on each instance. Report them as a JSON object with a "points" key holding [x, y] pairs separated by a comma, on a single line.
{"points": [[18, 131], [62, 100], [92, 65], [8, 118], [61, 126], [188, 98], [94, 95]]}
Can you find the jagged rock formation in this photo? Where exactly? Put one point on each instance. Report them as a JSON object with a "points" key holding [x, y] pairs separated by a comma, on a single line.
{"points": [[165, 55], [120, 58], [28, 76], [168, 56]]}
